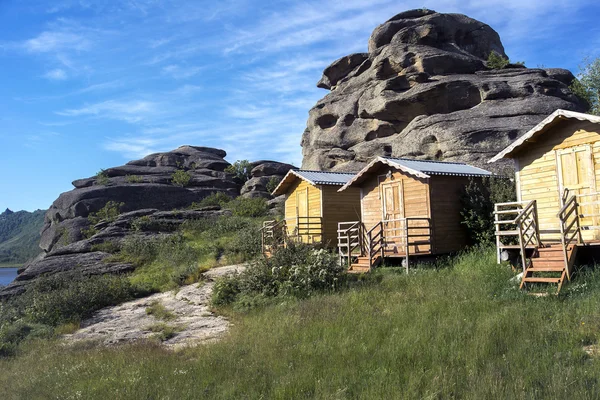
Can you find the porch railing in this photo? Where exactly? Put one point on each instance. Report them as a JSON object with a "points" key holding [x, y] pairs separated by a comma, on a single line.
{"points": [[350, 241], [408, 232], [570, 228], [517, 222]]}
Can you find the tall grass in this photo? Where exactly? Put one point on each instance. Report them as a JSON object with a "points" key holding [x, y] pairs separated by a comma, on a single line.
{"points": [[458, 329]]}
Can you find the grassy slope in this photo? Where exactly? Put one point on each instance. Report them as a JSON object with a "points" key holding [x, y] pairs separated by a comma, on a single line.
{"points": [[19, 237], [458, 332]]}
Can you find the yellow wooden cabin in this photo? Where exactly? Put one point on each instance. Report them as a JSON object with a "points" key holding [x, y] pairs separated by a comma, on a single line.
{"points": [[313, 208], [408, 207], [557, 175]]}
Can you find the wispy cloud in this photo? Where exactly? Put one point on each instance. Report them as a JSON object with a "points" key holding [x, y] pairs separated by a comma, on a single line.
{"points": [[128, 111], [52, 41], [180, 72], [57, 74]]}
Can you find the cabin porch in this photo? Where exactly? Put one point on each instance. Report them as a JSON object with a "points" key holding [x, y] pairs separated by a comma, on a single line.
{"points": [[547, 255], [361, 249]]}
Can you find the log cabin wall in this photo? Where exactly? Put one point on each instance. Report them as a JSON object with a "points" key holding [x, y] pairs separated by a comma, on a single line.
{"points": [[541, 165], [415, 195], [313, 196], [338, 207]]}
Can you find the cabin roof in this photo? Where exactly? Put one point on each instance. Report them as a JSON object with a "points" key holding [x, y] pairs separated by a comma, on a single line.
{"points": [[313, 177], [542, 127], [419, 168]]}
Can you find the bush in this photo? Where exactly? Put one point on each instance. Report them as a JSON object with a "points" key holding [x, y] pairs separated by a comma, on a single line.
{"points": [[478, 200], [134, 179], [249, 207], [240, 169], [181, 178], [214, 199], [102, 178], [108, 213], [496, 61], [298, 270], [272, 184]]}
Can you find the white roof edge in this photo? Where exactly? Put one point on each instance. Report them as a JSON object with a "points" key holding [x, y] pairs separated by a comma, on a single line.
{"points": [[539, 127], [292, 172], [387, 162]]}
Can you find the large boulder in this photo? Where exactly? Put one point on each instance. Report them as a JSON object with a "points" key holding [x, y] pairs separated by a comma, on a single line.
{"points": [[424, 90], [141, 184], [262, 174]]}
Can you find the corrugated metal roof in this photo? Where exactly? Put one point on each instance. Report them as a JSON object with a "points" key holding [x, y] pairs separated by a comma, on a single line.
{"points": [[440, 167], [325, 178], [312, 177]]}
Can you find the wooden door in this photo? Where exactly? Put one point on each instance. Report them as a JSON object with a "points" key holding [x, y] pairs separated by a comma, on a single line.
{"points": [[393, 212], [576, 173], [302, 220]]}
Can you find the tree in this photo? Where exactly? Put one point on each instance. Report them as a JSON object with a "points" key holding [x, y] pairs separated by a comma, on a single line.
{"points": [[241, 169], [587, 84], [496, 61]]}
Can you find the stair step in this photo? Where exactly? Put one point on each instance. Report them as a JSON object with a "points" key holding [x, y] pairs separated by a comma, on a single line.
{"points": [[534, 279], [539, 262], [515, 246], [507, 233], [536, 268]]}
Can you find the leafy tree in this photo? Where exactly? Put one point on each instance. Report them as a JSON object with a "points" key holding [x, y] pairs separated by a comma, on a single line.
{"points": [[587, 84], [241, 169], [272, 184], [478, 200], [102, 178]]}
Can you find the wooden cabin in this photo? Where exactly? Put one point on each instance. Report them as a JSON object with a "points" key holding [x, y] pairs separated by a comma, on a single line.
{"points": [[313, 208], [557, 175], [408, 207]]}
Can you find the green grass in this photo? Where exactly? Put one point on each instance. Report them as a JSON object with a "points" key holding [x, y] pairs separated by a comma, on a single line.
{"points": [[457, 331], [159, 311]]}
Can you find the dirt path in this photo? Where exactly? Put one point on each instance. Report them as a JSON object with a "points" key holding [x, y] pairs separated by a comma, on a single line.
{"points": [[192, 321]]}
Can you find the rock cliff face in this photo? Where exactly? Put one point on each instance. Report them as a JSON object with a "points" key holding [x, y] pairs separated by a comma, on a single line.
{"points": [[141, 184], [424, 91]]}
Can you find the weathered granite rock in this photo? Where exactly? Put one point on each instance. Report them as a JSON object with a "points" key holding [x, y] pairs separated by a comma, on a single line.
{"points": [[262, 173], [141, 184], [424, 91]]}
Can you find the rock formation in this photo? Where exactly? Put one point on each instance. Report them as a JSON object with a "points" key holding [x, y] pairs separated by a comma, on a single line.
{"points": [[424, 90], [263, 175]]}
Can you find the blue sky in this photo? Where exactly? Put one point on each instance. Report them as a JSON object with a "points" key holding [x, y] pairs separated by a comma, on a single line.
{"points": [[89, 84]]}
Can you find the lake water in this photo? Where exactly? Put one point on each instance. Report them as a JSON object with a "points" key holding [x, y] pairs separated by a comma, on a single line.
{"points": [[7, 275]]}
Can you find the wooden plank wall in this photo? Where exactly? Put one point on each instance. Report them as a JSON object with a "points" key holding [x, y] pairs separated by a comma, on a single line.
{"points": [[416, 195], [449, 234], [338, 207], [314, 202], [538, 173]]}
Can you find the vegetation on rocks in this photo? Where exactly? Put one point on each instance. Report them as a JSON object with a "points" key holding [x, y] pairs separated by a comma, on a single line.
{"points": [[108, 213], [181, 178], [240, 169], [102, 178]]}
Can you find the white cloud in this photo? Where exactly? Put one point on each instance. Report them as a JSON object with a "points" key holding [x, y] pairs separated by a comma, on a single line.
{"points": [[179, 72], [129, 111], [56, 74], [53, 41]]}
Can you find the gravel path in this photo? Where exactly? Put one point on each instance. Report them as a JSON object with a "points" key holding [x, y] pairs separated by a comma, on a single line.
{"points": [[193, 320]]}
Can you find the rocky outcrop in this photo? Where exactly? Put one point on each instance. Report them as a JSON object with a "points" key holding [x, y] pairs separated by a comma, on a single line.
{"points": [[92, 256], [424, 90], [142, 184], [262, 173]]}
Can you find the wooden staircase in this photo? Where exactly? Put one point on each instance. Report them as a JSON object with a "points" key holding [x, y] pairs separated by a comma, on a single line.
{"points": [[361, 265], [549, 265]]}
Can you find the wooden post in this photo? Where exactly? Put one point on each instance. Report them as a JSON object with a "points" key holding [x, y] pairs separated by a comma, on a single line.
{"points": [[537, 224], [496, 220], [406, 246]]}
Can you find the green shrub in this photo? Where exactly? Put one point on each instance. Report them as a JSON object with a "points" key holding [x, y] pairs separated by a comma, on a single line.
{"points": [[478, 200], [72, 296], [11, 335], [164, 331], [496, 61], [272, 184], [249, 207], [149, 224], [108, 213], [158, 310], [106, 247], [214, 199], [298, 270], [240, 169], [134, 179], [102, 178], [181, 178]]}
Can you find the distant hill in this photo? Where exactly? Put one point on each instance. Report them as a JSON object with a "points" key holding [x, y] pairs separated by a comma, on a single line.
{"points": [[20, 235]]}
